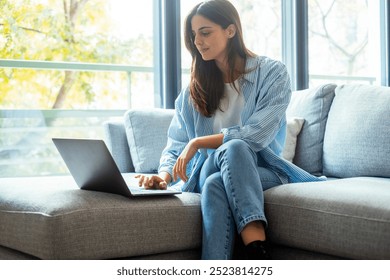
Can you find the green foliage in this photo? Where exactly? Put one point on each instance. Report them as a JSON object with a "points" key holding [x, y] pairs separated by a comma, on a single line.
{"points": [[61, 30]]}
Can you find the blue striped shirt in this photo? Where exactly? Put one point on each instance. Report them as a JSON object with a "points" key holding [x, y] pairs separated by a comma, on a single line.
{"points": [[267, 92]]}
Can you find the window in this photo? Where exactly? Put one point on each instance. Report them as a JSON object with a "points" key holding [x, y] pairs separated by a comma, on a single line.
{"points": [[344, 42], [68, 66]]}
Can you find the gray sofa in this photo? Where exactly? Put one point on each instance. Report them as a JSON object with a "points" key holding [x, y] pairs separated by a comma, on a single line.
{"points": [[340, 132]]}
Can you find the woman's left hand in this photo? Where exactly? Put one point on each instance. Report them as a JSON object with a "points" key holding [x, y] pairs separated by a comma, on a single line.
{"points": [[180, 167]]}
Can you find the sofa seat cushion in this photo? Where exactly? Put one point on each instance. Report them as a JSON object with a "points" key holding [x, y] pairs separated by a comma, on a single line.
{"points": [[50, 218], [349, 218]]}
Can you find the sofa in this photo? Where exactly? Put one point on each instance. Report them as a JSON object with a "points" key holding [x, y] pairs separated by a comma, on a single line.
{"points": [[340, 132]]}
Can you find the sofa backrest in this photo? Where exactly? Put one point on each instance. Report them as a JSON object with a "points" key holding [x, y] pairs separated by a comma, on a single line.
{"points": [[116, 141], [136, 142], [146, 132], [313, 106], [357, 137]]}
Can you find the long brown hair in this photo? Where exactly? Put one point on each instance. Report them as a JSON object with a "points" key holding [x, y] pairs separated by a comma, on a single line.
{"points": [[207, 84]]}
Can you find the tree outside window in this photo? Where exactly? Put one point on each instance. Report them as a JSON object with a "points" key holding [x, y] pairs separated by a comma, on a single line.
{"points": [[344, 41]]}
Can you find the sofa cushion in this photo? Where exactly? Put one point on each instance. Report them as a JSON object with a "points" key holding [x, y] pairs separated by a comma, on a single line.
{"points": [[294, 127], [50, 218], [356, 141], [313, 106], [116, 141], [349, 218], [146, 132]]}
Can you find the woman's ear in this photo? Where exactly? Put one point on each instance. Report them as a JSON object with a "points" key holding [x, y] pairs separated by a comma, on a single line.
{"points": [[231, 31]]}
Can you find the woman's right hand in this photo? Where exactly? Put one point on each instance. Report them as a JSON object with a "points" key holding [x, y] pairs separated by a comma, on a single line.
{"points": [[152, 182]]}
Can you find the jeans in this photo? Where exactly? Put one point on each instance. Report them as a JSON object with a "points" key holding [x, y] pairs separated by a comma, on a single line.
{"points": [[232, 181]]}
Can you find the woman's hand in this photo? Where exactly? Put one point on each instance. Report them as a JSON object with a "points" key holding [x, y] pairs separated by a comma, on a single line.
{"points": [[180, 167], [207, 142], [152, 182]]}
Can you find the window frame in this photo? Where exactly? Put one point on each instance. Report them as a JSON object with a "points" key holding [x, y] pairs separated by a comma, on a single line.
{"points": [[295, 42], [385, 42]]}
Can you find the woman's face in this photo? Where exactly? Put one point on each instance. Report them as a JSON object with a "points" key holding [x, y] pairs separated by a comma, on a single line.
{"points": [[210, 38]]}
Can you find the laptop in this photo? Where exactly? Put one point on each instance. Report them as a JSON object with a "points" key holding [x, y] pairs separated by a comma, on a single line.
{"points": [[93, 168]]}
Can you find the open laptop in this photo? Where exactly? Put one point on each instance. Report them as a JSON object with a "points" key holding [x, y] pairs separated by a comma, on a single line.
{"points": [[93, 168]]}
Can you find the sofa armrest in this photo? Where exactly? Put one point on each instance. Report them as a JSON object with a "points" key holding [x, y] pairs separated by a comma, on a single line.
{"points": [[116, 140]]}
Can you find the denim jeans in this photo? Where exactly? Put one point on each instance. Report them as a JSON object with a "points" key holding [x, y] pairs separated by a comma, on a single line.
{"points": [[232, 181]]}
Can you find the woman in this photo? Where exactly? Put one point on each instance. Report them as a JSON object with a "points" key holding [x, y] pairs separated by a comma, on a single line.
{"points": [[228, 132]]}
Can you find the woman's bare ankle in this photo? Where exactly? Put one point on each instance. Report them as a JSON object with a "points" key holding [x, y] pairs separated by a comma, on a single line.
{"points": [[252, 232]]}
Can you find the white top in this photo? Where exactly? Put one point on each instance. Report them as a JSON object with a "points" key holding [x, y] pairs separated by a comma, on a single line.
{"points": [[231, 106]]}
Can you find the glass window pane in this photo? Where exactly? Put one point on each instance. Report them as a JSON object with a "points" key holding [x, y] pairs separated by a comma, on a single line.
{"points": [[26, 148], [99, 90], [114, 37], [344, 44], [103, 31], [93, 31]]}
